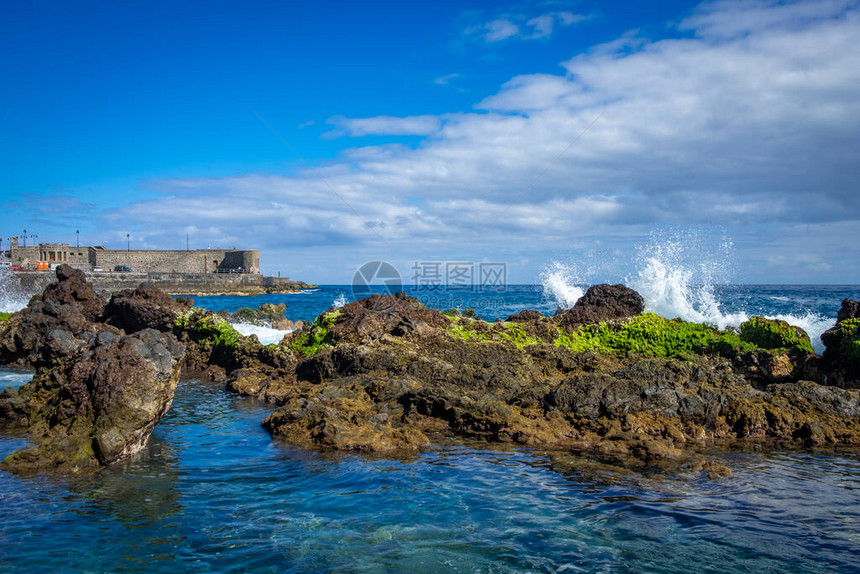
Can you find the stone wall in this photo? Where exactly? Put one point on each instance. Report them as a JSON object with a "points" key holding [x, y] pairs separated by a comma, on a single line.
{"points": [[196, 261], [138, 260], [173, 283]]}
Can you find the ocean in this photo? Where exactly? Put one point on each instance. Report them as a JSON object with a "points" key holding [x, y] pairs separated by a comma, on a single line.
{"points": [[214, 492]]}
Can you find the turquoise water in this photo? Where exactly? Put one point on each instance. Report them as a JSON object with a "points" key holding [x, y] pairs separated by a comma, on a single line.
{"points": [[213, 492]]}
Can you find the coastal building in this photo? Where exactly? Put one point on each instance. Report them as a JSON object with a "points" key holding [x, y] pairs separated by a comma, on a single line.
{"points": [[97, 258]]}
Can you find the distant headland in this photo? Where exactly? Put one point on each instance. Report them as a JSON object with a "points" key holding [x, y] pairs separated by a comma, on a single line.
{"points": [[189, 272]]}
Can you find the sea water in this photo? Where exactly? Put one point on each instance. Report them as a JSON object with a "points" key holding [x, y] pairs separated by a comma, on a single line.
{"points": [[214, 492]]}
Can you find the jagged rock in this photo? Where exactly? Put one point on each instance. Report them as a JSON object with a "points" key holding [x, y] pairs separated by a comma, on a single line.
{"points": [[841, 356], [525, 316], [97, 392], [850, 310], [97, 403], [267, 315], [146, 307], [647, 392], [386, 373], [399, 315], [603, 303], [68, 305], [72, 288]]}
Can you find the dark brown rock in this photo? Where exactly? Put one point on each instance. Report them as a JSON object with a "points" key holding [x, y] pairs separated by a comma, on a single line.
{"points": [[97, 403], [850, 310], [146, 307], [841, 358], [526, 316], [68, 305], [97, 392], [369, 319], [72, 288], [603, 303]]}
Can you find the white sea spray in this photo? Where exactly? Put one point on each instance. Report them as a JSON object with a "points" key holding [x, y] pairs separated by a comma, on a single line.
{"points": [[11, 299], [559, 281], [339, 301], [677, 274]]}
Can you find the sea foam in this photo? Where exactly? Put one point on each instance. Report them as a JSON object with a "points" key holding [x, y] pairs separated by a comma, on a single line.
{"points": [[266, 335]]}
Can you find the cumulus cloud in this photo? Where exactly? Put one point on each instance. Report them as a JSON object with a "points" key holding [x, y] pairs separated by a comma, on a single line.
{"points": [[750, 127]]}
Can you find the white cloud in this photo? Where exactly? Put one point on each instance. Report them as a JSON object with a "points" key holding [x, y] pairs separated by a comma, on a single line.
{"points": [[384, 126], [730, 18], [752, 132], [498, 30], [446, 79], [522, 27]]}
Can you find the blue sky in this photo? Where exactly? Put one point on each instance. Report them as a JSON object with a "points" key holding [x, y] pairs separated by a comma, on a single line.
{"points": [[530, 132]]}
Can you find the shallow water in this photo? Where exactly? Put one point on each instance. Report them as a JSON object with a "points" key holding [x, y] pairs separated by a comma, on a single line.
{"points": [[213, 492]]}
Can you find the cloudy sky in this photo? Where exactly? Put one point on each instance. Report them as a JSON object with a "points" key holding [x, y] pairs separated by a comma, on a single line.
{"points": [[524, 133]]}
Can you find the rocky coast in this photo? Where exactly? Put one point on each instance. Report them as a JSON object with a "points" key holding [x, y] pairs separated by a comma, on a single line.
{"points": [[388, 375]]}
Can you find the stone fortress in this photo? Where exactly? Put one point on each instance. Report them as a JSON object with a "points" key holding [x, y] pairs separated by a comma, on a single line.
{"points": [[95, 259], [190, 272]]}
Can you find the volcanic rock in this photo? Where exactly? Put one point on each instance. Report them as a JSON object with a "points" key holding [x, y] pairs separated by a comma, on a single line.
{"points": [[97, 392], [68, 305], [603, 303], [72, 288], [842, 347], [399, 315], [850, 310], [146, 307], [266, 315], [97, 403], [525, 316]]}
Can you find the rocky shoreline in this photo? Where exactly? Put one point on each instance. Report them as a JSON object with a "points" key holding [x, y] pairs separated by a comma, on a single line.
{"points": [[183, 284], [388, 375]]}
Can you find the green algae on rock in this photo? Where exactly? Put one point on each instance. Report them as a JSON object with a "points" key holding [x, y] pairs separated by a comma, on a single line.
{"points": [[775, 334], [842, 347]]}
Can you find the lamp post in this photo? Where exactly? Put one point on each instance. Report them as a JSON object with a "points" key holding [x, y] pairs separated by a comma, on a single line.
{"points": [[25, 238], [77, 238], [128, 242]]}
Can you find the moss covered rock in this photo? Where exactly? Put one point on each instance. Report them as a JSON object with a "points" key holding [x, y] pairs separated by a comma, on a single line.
{"points": [[775, 334], [842, 352]]}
